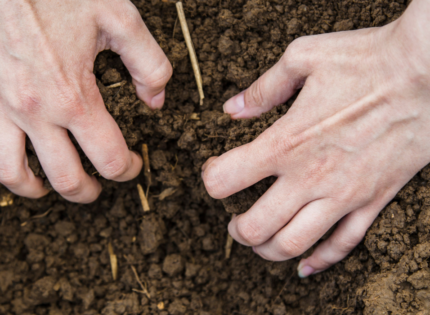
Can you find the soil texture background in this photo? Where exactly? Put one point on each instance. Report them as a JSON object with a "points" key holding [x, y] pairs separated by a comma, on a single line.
{"points": [[54, 255]]}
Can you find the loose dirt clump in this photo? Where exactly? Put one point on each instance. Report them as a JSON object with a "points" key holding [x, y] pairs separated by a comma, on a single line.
{"points": [[54, 254]]}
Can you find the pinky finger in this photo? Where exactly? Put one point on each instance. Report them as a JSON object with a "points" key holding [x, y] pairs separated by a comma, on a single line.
{"points": [[349, 233], [15, 173]]}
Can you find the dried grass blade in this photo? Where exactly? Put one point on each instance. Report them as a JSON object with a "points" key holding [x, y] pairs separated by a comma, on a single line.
{"points": [[143, 200], [191, 49], [113, 262]]}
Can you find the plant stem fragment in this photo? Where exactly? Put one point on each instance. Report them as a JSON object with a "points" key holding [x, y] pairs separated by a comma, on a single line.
{"points": [[191, 50], [113, 261], [143, 199]]}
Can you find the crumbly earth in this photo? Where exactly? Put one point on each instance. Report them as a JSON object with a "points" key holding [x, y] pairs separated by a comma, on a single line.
{"points": [[54, 254]]}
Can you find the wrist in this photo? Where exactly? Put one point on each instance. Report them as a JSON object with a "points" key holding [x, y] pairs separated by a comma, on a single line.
{"points": [[409, 36]]}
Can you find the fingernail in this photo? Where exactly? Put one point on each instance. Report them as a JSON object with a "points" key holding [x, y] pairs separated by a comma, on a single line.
{"points": [[305, 270], [235, 105], [158, 100]]}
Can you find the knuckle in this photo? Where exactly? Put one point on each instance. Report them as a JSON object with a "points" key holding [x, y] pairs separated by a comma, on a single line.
{"points": [[10, 177], [262, 158], [248, 232], [358, 192], [296, 48], [129, 18], [292, 247], [254, 96], [115, 168], [67, 185], [317, 171], [160, 76], [297, 53], [70, 101], [213, 181], [280, 144], [322, 262], [28, 103], [348, 243]]}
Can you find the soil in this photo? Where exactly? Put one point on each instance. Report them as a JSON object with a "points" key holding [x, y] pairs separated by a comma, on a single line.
{"points": [[54, 254]]}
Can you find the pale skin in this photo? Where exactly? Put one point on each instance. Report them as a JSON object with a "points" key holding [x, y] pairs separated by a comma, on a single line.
{"points": [[47, 86], [356, 134]]}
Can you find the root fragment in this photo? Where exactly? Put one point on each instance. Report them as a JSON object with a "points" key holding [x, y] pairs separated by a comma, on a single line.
{"points": [[228, 246], [144, 288], [174, 28], [143, 199], [283, 288], [191, 50], [113, 262], [167, 193], [38, 216], [146, 167]]}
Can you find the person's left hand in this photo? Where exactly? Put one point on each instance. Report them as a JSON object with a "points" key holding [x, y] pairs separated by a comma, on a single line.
{"points": [[48, 89]]}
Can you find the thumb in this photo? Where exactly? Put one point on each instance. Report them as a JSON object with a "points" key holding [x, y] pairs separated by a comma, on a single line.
{"points": [[128, 36], [276, 85]]}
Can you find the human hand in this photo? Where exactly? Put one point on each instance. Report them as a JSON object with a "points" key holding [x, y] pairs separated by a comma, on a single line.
{"points": [[47, 53], [357, 132]]}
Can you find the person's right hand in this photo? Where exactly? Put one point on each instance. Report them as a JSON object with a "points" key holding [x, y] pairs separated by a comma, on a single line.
{"points": [[47, 53], [356, 134]]}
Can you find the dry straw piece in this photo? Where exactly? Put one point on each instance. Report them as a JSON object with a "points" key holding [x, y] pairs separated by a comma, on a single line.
{"points": [[194, 116], [115, 85], [143, 199], [228, 244], [6, 200], [191, 50], [113, 261], [160, 306]]}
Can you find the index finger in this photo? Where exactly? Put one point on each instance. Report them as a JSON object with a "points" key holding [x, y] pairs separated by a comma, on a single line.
{"points": [[145, 60], [238, 169], [103, 143]]}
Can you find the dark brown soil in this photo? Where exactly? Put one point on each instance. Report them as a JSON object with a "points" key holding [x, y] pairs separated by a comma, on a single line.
{"points": [[58, 263]]}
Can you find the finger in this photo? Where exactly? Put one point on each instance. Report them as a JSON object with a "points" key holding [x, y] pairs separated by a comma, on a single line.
{"points": [[62, 165], [205, 165], [270, 213], [145, 60], [15, 173], [276, 85], [238, 169], [209, 161], [307, 227], [103, 143], [348, 234]]}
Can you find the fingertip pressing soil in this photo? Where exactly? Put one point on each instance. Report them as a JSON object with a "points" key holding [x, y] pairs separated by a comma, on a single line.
{"points": [[54, 254]]}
